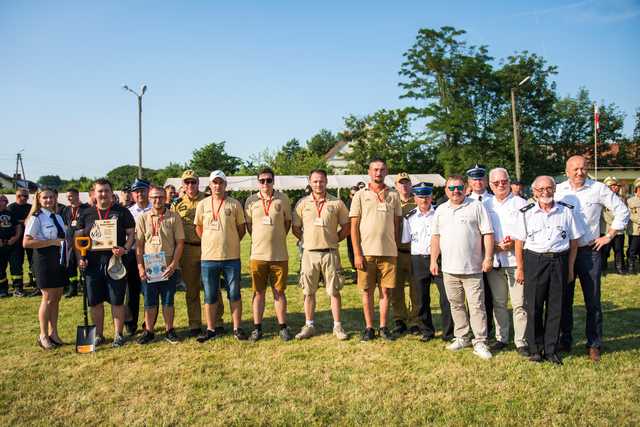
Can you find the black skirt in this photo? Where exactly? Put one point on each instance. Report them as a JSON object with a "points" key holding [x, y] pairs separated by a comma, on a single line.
{"points": [[47, 269]]}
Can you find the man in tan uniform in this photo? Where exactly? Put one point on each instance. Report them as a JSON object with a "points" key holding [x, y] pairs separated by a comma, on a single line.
{"points": [[321, 221], [185, 206], [375, 225], [403, 270], [617, 243], [634, 228], [220, 224], [268, 215]]}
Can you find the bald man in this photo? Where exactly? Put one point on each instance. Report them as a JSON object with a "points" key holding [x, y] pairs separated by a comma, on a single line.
{"points": [[588, 197]]}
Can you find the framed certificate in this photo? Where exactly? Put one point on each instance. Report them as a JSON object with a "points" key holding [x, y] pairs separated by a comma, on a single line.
{"points": [[104, 234], [155, 265]]}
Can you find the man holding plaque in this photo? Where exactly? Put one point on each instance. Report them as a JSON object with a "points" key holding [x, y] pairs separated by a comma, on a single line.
{"points": [[111, 228], [220, 224], [159, 246]]}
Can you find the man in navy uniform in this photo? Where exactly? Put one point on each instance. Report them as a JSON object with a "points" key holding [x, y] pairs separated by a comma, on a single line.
{"points": [[546, 247], [416, 229]]}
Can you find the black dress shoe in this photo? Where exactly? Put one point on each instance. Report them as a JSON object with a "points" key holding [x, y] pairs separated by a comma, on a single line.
{"points": [[400, 328], [497, 346], [131, 328], [563, 347], [553, 358], [427, 336], [535, 357], [523, 351], [415, 330]]}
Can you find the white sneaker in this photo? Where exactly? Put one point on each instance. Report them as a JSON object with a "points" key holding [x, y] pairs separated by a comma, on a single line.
{"points": [[481, 350], [458, 344], [307, 332], [339, 332]]}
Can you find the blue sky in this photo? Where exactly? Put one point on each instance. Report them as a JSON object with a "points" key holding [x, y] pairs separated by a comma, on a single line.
{"points": [[259, 73]]}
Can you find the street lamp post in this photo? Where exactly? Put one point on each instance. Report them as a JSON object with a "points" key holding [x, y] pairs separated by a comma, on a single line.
{"points": [[143, 89], [516, 146]]}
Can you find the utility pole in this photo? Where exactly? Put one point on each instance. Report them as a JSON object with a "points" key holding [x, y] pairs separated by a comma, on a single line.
{"points": [[516, 145], [19, 166], [143, 89]]}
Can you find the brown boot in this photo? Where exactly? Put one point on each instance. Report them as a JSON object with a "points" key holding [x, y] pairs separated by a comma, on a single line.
{"points": [[594, 354]]}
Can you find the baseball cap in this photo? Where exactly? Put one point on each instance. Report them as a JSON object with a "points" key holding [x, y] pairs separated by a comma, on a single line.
{"points": [[610, 180], [217, 174], [189, 174], [116, 269], [401, 176]]}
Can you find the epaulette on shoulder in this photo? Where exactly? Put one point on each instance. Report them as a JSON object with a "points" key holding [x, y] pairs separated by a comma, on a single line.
{"points": [[411, 212], [527, 207], [36, 213], [566, 205]]}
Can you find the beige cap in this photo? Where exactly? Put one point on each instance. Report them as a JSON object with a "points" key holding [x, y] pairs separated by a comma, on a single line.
{"points": [[189, 174], [116, 269], [401, 176]]}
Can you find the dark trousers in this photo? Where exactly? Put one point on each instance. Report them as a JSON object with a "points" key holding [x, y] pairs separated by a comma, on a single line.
{"points": [[5, 254], [488, 304], [16, 261], [421, 282], [350, 252], [132, 300], [588, 269], [545, 277], [633, 252], [617, 244]]}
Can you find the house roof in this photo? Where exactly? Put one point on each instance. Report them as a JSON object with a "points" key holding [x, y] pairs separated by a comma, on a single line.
{"points": [[335, 149]]}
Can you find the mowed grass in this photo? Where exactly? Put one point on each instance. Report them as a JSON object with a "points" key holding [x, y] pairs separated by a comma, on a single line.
{"points": [[315, 382]]}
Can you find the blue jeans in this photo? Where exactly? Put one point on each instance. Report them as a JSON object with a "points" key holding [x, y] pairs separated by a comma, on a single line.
{"points": [[165, 291], [210, 272], [588, 268]]}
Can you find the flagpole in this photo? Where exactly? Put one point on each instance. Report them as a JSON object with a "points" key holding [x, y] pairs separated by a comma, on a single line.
{"points": [[595, 137]]}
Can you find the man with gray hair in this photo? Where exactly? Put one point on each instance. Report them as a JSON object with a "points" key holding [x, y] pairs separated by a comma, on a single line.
{"points": [[503, 209], [545, 249]]}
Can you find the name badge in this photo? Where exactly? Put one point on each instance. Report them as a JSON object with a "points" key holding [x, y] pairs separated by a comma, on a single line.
{"points": [[318, 222], [213, 225], [74, 223], [155, 240], [382, 207], [266, 220]]}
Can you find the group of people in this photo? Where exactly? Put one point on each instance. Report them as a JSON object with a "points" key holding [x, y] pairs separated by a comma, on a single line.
{"points": [[480, 248]]}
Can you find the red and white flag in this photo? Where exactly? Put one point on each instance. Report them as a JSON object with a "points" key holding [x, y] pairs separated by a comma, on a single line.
{"points": [[596, 117]]}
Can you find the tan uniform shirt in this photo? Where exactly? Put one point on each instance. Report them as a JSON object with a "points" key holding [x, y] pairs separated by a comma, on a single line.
{"points": [[406, 208], [185, 207], [377, 213], [160, 234], [607, 219], [320, 232], [460, 229], [634, 218], [219, 222], [268, 235]]}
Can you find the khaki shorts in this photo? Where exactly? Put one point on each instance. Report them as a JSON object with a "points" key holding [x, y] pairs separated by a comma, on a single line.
{"points": [[269, 273], [378, 269], [325, 264]]}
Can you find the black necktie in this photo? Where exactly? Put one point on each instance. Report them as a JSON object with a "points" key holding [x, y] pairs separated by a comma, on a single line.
{"points": [[479, 198], [58, 226]]}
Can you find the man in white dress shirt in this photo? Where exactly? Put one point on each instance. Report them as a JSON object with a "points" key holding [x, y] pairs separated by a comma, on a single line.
{"points": [[588, 197]]}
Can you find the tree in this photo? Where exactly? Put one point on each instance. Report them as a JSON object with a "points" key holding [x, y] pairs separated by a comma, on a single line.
{"points": [[172, 170], [322, 142], [125, 175], [213, 156], [386, 134], [51, 181]]}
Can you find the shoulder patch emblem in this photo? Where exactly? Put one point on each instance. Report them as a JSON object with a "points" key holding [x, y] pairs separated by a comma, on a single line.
{"points": [[527, 207], [566, 205], [411, 212]]}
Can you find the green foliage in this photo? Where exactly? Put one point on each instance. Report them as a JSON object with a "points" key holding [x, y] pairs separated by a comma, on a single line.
{"points": [[213, 156], [322, 142], [51, 181], [386, 134], [125, 175]]}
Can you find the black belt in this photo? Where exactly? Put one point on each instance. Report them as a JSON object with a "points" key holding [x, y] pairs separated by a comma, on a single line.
{"points": [[405, 251], [192, 244], [548, 254], [321, 250]]}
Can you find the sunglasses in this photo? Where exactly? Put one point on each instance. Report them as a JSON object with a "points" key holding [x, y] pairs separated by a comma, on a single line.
{"points": [[266, 181], [22, 196], [456, 187], [501, 182], [190, 182]]}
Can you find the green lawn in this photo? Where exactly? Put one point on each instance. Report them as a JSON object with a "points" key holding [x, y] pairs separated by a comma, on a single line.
{"points": [[319, 381]]}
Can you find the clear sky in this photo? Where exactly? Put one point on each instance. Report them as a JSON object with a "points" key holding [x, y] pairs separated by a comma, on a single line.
{"points": [[259, 73]]}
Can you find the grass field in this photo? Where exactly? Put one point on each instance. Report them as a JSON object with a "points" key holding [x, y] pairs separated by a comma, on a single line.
{"points": [[316, 382]]}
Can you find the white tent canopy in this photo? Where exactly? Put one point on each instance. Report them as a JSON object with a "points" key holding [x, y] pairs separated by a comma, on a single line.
{"points": [[300, 182]]}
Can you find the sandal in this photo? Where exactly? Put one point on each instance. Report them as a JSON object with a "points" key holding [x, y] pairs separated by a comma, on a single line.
{"points": [[47, 346]]}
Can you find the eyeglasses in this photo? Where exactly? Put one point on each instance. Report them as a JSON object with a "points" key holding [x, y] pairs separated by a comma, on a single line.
{"points": [[544, 189], [266, 181], [501, 182], [453, 188]]}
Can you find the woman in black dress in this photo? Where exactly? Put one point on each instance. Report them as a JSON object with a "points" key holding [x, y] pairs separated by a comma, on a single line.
{"points": [[44, 234]]}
